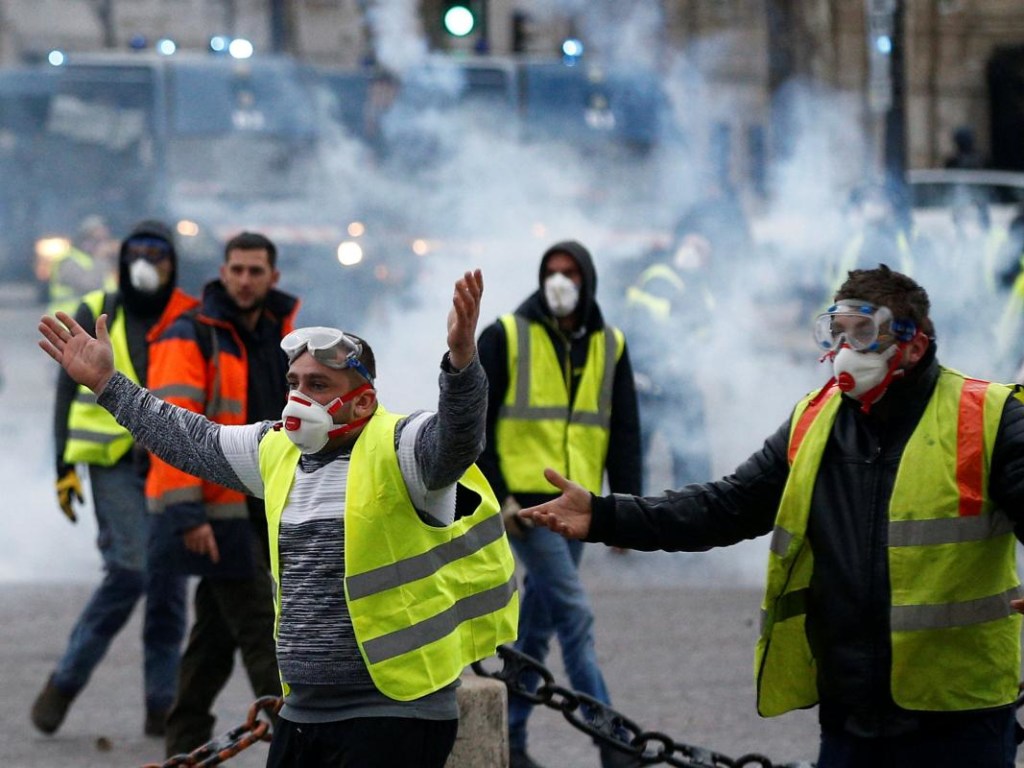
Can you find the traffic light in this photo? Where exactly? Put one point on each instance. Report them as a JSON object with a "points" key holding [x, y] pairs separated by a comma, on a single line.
{"points": [[459, 18]]}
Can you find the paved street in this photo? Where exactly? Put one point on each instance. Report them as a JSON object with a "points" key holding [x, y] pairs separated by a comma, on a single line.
{"points": [[676, 660]]}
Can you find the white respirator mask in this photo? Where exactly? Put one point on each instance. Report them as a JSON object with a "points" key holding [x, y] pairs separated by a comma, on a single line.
{"points": [[561, 294], [310, 425], [860, 372], [144, 276]]}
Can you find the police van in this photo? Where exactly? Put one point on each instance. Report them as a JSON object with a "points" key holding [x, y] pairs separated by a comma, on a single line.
{"points": [[209, 144]]}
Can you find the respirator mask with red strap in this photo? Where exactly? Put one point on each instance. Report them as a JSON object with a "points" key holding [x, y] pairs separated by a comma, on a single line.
{"points": [[308, 424]]}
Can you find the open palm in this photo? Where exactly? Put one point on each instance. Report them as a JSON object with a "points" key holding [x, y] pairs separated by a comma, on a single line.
{"points": [[87, 360]]}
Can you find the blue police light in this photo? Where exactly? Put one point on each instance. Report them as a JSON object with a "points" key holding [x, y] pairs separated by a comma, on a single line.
{"points": [[572, 47], [240, 48], [56, 58], [138, 42], [883, 44], [572, 51], [219, 43], [459, 21], [165, 46]]}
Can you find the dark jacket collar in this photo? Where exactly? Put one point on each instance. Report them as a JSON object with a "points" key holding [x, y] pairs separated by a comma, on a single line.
{"points": [[217, 305]]}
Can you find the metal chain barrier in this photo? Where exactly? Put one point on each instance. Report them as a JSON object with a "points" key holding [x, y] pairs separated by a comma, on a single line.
{"points": [[231, 743], [608, 726]]}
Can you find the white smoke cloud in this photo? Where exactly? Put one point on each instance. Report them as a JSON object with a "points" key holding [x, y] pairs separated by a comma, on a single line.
{"points": [[484, 195]]}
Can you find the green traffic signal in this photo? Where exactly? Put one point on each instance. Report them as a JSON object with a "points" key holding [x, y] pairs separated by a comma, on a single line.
{"points": [[459, 21]]}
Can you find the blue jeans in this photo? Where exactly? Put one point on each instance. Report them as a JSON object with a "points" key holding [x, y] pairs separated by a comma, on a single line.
{"points": [[120, 504], [553, 601]]}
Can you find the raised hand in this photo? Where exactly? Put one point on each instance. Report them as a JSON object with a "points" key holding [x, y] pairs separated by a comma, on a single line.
{"points": [[569, 514], [87, 360], [463, 317]]}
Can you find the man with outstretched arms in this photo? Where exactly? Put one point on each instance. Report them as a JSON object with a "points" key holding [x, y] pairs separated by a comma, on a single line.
{"points": [[892, 495], [387, 548]]}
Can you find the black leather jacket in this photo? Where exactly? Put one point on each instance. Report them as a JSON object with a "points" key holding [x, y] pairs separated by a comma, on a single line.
{"points": [[848, 609]]}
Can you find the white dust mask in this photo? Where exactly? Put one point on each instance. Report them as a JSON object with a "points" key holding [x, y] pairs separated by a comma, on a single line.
{"points": [[310, 425], [561, 294], [858, 373], [144, 276]]}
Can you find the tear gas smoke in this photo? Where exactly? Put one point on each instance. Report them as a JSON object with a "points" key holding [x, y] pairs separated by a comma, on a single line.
{"points": [[480, 194]]}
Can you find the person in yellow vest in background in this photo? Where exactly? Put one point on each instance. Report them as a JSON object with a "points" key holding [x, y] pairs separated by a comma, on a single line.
{"points": [[892, 495], [146, 302], [387, 547], [670, 312], [88, 263], [877, 229], [561, 393]]}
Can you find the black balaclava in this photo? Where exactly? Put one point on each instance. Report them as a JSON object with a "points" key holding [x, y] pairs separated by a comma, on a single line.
{"points": [[137, 302]]}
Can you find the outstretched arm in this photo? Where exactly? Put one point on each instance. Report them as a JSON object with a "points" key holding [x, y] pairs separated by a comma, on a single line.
{"points": [[183, 439], [569, 514], [463, 317], [87, 360], [452, 438]]}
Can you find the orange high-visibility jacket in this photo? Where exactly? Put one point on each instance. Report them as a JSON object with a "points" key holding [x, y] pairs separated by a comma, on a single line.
{"points": [[217, 386]]}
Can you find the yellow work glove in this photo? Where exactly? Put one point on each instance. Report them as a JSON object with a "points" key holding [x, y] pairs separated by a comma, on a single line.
{"points": [[69, 489]]}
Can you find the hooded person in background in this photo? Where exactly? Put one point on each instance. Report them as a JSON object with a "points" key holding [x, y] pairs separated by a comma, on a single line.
{"points": [[146, 301], [560, 394]]}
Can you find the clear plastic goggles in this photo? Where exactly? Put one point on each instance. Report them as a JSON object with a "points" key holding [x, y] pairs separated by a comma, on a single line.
{"points": [[329, 346], [860, 325]]}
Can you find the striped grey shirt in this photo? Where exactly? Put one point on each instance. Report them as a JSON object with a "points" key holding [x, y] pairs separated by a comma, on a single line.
{"points": [[317, 652]]}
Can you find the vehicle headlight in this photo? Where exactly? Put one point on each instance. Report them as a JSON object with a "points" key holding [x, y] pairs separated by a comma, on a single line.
{"points": [[48, 250], [187, 228], [350, 253]]}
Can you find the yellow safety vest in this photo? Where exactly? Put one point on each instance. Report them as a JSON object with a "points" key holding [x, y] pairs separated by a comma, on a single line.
{"points": [[425, 601], [94, 436], [955, 639], [537, 427], [63, 297], [659, 307]]}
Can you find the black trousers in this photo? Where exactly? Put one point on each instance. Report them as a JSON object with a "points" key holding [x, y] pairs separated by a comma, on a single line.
{"points": [[978, 740], [370, 742], [230, 615]]}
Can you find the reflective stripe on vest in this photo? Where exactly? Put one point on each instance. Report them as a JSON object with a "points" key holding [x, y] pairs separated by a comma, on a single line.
{"points": [[425, 601], [951, 562], [536, 427], [658, 306], [94, 436]]}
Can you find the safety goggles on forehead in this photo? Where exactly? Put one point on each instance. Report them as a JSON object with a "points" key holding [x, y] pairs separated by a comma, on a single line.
{"points": [[860, 325], [330, 346], [152, 249]]}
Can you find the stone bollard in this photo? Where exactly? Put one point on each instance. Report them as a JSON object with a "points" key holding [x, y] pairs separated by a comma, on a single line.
{"points": [[483, 724]]}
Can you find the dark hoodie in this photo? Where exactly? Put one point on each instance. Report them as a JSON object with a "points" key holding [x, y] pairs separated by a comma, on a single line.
{"points": [[142, 311], [624, 455]]}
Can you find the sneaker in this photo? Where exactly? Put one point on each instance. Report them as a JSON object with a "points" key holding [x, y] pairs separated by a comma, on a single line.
{"points": [[517, 758], [156, 723], [50, 707]]}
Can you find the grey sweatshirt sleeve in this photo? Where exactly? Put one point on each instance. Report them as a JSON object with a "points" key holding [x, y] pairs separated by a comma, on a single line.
{"points": [[452, 439], [186, 440]]}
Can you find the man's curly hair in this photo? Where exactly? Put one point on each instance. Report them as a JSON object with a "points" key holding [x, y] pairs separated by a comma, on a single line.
{"points": [[885, 288]]}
